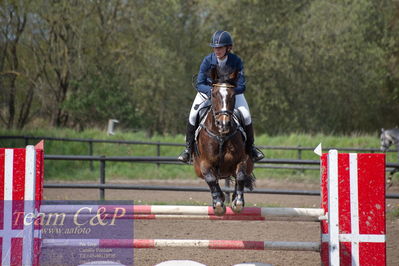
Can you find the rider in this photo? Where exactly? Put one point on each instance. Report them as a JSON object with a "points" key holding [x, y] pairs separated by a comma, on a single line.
{"points": [[222, 44]]}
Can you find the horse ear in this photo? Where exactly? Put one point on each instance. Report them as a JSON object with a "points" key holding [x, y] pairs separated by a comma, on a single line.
{"points": [[233, 76], [382, 130], [214, 74]]}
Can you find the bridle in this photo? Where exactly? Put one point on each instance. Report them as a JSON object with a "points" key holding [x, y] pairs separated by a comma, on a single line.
{"points": [[221, 112]]}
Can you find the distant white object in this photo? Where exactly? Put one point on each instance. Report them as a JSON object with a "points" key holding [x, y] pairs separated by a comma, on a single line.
{"points": [[103, 263], [318, 150], [253, 264], [111, 125], [180, 263]]}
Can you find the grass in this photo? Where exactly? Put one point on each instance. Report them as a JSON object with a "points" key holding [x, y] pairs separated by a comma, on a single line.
{"points": [[81, 170]]}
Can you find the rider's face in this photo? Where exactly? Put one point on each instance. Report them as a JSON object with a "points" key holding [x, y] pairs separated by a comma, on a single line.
{"points": [[220, 52]]}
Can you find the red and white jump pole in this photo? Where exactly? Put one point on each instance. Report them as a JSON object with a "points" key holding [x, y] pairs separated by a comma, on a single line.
{"points": [[158, 243], [185, 212]]}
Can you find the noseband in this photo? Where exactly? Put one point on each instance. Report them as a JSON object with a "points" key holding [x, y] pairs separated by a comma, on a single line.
{"points": [[223, 112]]}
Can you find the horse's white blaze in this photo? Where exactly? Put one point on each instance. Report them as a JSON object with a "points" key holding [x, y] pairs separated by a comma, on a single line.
{"points": [[224, 93]]}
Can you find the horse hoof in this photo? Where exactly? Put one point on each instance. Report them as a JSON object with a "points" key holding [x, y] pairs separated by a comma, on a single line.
{"points": [[219, 209], [237, 206]]}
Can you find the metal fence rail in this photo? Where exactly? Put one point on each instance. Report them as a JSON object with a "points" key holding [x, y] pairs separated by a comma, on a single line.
{"points": [[298, 148], [101, 186], [297, 164], [169, 159]]}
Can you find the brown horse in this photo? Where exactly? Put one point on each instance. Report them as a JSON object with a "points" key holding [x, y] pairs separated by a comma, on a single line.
{"points": [[221, 150]]}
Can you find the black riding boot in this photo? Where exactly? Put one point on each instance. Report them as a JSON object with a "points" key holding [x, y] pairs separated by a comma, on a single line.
{"points": [[251, 149], [185, 156]]}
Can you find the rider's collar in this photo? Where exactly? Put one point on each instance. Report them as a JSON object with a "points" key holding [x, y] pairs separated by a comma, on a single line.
{"points": [[214, 60]]}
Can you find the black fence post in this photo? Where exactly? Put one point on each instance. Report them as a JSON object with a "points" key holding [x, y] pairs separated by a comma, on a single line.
{"points": [[91, 154], [300, 156], [102, 177], [26, 140], [158, 151], [299, 152]]}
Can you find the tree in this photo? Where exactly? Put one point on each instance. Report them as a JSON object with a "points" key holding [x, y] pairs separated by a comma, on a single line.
{"points": [[311, 66], [17, 81]]}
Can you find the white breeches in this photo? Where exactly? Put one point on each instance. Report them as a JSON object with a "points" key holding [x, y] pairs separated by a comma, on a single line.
{"points": [[241, 105]]}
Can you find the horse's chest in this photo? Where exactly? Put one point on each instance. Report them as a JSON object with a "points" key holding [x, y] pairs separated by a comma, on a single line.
{"points": [[229, 154]]}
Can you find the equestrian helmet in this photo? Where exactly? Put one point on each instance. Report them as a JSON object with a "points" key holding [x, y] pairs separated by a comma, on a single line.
{"points": [[221, 38]]}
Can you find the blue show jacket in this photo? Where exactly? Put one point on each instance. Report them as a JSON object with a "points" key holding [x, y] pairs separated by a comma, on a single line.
{"points": [[234, 62]]}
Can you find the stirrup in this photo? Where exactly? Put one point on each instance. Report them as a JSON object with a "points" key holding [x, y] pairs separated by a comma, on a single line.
{"points": [[185, 156], [257, 154]]}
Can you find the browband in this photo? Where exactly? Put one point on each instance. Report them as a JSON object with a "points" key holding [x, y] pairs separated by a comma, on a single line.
{"points": [[223, 85]]}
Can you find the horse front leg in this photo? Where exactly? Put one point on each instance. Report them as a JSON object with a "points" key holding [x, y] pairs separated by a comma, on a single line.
{"points": [[217, 195], [238, 202]]}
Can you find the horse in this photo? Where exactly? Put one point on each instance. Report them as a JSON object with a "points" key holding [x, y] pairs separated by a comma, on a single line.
{"points": [[220, 147], [390, 137]]}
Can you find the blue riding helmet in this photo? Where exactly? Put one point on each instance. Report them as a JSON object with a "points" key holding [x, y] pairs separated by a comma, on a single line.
{"points": [[221, 38]]}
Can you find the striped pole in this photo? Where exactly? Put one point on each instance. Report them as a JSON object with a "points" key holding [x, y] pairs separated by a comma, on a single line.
{"points": [[158, 243], [160, 211], [85, 217]]}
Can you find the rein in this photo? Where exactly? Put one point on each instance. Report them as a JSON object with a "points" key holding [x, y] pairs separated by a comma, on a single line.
{"points": [[219, 138]]}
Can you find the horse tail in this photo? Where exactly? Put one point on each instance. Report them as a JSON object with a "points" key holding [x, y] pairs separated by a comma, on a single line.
{"points": [[250, 181]]}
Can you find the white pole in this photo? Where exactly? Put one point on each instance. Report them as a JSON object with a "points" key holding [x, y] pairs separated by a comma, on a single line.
{"points": [[29, 204], [333, 215]]}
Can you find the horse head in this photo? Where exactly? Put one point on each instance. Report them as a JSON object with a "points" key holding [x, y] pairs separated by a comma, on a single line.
{"points": [[386, 140], [223, 100]]}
